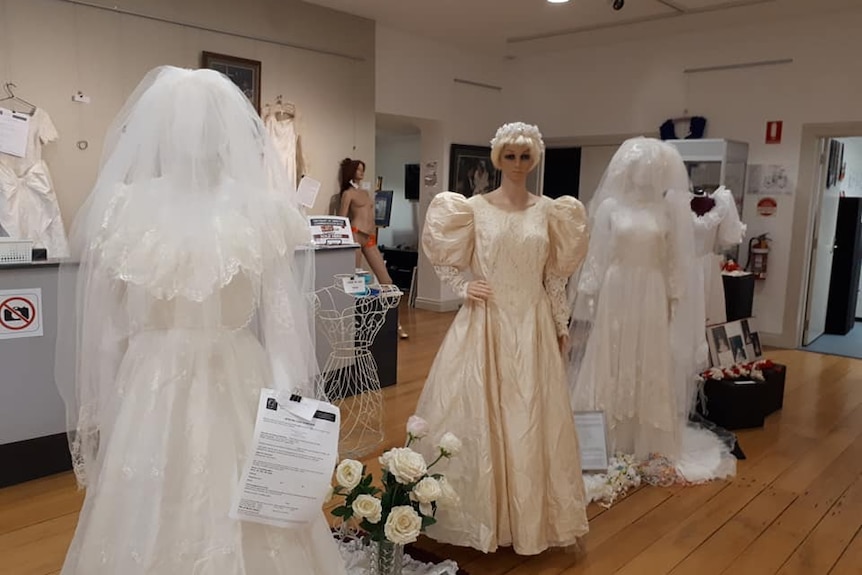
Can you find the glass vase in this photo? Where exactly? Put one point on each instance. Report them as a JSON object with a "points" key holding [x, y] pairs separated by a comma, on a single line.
{"points": [[386, 558]]}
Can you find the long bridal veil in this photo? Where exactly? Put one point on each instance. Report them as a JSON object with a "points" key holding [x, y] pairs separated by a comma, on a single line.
{"points": [[647, 172], [190, 193]]}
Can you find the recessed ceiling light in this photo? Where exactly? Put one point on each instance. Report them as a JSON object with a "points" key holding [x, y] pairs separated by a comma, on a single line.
{"points": [[558, 1]]}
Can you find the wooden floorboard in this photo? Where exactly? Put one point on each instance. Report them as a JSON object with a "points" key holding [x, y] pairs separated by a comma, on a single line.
{"points": [[795, 506]]}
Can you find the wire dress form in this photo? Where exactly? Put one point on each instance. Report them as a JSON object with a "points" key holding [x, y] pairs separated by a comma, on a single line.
{"points": [[189, 295], [349, 377]]}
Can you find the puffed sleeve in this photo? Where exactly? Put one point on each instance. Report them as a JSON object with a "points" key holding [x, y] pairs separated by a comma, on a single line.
{"points": [[568, 237], [731, 230], [448, 238]]}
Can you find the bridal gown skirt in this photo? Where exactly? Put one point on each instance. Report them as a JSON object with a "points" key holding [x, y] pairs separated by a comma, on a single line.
{"points": [[185, 407], [498, 383]]}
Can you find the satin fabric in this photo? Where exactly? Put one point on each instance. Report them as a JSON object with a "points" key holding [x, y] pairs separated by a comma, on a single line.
{"points": [[498, 380]]}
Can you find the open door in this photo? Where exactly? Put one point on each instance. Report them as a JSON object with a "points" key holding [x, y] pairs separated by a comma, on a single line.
{"points": [[827, 199]]}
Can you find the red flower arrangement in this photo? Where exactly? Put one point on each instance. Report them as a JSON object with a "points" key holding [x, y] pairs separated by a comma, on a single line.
{"points": [[730, 266], [753, 369]]}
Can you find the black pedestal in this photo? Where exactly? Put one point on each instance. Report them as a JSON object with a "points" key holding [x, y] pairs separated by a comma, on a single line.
{"points": [[738, 296]]}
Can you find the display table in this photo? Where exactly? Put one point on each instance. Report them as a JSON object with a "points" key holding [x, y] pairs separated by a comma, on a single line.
{"points": [[33, 441], [32, 414]]}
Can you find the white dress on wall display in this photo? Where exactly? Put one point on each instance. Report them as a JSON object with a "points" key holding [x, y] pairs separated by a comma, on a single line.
{"points": [[287, 142], [189, 297], [28, 203], [717, 229]]}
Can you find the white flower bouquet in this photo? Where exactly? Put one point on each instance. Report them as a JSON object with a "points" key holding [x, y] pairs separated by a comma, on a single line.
{"points": [[410, 495]]}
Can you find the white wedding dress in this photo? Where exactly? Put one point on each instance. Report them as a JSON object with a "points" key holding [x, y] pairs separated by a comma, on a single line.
{"points": [[637, 341], [186, 301], [717, 229]]}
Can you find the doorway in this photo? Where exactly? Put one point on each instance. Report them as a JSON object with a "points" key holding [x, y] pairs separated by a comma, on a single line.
{"points": [[833, 315]]}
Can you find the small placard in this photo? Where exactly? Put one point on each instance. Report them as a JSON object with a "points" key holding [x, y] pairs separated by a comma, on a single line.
{"points": [[14, 132], [331, 231], [290, 463], [593, 440], [354, 284], [21, 313]]}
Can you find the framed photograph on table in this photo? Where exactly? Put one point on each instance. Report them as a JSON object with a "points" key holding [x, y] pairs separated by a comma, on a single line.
{"points": [[243, 72], [471, 171]]}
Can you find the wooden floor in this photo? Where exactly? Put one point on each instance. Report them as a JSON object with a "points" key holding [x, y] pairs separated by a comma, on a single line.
{"points": [[794, 508]]}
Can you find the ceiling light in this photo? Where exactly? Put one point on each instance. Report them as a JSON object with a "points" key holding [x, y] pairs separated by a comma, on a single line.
{"points": [[558, 1]]}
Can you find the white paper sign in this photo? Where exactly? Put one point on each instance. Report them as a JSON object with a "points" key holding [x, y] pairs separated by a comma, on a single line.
{"points": [[331, 231], [290, 463], [354, 285], [14, 131], [307, 191], [21, 313], [593, 440]]}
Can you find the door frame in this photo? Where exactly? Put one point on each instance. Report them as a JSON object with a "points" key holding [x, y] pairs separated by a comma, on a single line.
{"points": [[817, 201], [805, 213]]}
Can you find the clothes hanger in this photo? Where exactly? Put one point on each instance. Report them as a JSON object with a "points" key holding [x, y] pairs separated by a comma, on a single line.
{"points": [[8, 86], [284, 111]]}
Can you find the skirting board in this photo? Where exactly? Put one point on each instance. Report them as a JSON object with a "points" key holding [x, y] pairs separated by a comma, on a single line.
{"points": [[34, 458], [438, 305]]}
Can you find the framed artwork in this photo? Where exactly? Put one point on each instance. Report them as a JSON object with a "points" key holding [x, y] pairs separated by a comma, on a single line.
{"points": [[733, 342], [471, 171], [241, 71], [382, 208]]}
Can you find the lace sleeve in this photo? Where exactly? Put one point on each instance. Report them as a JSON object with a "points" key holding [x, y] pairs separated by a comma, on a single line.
{"points": [[598, 253], [556, 288], [454, 278]]}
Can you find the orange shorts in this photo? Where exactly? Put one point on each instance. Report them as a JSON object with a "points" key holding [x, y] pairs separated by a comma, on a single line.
{"points": [[372, 238]]}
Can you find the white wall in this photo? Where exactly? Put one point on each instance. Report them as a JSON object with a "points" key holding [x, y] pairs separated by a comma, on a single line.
{"points": [[634, 86], [391, 154], [415, 79], [52, 49]]}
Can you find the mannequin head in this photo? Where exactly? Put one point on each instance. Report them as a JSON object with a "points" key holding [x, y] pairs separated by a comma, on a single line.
{"points": [[351, 173], [520, 141], [643, 164]]}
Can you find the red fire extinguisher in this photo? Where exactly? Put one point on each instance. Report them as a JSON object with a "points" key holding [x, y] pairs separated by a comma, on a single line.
{"points": [[758, 256]]}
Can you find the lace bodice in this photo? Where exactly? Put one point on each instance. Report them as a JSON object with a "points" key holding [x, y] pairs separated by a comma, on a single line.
{"points": [[525, 255], [633, 236]]}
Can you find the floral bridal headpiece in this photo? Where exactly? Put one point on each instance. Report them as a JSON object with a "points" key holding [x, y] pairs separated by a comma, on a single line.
{"points": [[517, 134]]}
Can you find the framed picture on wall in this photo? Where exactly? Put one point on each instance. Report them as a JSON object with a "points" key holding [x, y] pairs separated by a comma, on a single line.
{"points": [[383, 208], [243, 72], [471, 171]]}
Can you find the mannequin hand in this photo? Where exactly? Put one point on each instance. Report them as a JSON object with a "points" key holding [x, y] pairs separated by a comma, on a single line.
{"points": [[479, 290], [563, 341]]}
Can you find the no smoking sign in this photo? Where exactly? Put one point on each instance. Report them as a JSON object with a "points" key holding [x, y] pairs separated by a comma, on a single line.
{"points": [[20, 313]]}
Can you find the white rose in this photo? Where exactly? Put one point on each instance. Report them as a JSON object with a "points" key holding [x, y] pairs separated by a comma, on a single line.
{"points": [[403, 525], [448, 496], [367, 507], [405, 464], [426, 492], [450, 445], [328, 497], [349, 473], [417, 427]]}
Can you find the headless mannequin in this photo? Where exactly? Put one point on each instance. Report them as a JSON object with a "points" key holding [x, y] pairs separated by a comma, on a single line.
{"points": [[702, 203]]}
